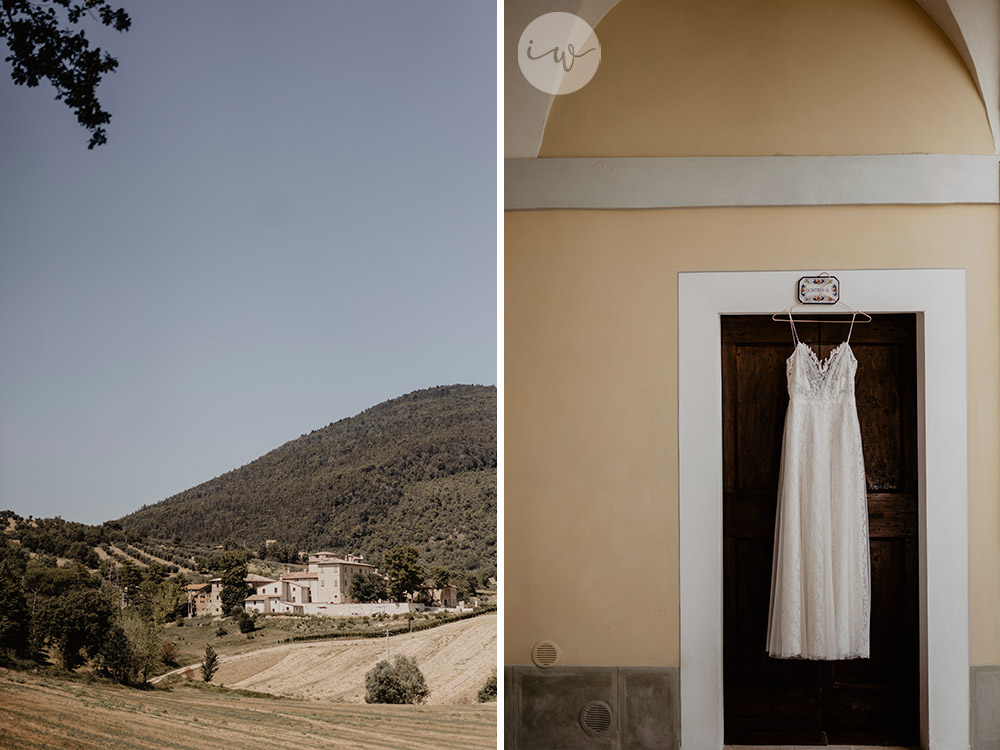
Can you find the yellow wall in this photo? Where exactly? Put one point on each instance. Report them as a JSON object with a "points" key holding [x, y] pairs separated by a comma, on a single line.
{"points": [[590, 419], [769, 77], [590, 340]]}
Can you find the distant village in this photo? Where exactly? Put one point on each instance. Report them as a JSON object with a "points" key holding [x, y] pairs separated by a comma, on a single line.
{"points": [[323, 589]]}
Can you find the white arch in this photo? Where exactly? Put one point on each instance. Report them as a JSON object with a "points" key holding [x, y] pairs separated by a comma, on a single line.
{"points": [[973, 26]]}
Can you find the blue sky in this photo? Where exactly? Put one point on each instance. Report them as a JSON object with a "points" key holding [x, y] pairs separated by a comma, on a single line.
{"points": [[294, 219]]}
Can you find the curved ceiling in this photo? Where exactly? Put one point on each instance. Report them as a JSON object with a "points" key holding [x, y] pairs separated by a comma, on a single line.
{"points": [[972, 26]]}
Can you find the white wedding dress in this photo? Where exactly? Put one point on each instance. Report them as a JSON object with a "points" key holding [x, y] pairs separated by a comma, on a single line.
{"points": [[821, 576]]}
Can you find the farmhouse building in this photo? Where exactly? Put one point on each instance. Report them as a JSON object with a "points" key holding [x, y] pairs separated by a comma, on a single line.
{"points": [[334, 575], [317, 590], [205, 599], [446, 596], [323, 589], [278, 596]]}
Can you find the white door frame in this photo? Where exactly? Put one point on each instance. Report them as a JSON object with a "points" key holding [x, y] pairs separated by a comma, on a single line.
{"points": [[938, 296]]}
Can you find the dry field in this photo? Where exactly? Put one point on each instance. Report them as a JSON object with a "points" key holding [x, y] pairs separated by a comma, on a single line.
{"points": [[47, 712], [190, 639], [456, 660]]}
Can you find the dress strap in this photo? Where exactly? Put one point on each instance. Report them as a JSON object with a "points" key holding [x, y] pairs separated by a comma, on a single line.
{"points": [[795, 334], [849, 330]]}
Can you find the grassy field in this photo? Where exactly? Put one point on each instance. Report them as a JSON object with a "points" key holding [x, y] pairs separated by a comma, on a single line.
{"points": [[38, 711], [192, 637]]}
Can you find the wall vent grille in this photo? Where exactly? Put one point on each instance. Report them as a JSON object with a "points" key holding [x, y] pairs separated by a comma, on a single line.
{"points": [[596, 718], [545, 654]]}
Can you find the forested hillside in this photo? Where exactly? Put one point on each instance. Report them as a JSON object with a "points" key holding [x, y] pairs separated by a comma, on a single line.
{"points": [[419, 469]]}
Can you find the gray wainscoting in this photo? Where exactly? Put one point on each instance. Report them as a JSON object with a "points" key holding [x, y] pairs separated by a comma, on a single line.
{"points": [[547, 709], [591, 708], [984, 696]]}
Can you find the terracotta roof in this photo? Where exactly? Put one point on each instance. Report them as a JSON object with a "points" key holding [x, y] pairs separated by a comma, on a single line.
{"points": [[195, 586], [256, 598], [293, 576], [254, 578]]}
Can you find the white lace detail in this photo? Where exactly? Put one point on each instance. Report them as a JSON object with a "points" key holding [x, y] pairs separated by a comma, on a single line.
{"points": [[821, 577]]}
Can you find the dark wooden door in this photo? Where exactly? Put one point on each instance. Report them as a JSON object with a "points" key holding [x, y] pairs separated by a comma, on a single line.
{"points": [[779, 701]]}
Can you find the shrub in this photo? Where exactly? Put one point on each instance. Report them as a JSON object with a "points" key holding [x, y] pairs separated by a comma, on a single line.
{"points": [[245, 622], [169, 653], [488, 692], [220, 632], [399, 682]]}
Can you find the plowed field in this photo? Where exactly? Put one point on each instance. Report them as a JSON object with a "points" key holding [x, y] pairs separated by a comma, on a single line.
{"points": [[43, 712], [456, 660]]}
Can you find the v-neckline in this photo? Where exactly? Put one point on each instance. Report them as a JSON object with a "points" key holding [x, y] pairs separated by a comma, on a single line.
{"points": [[823, 366]]}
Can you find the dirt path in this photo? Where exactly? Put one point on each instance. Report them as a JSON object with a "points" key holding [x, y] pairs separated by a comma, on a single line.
{"points": [[456, 660]]}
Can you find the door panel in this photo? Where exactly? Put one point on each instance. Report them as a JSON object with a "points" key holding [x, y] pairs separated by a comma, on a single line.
{"points": [[780, 701], [760, 412], [877, 392]]}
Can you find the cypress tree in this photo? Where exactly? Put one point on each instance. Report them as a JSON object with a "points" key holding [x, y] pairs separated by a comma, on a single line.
{"points": [[210, 665]]}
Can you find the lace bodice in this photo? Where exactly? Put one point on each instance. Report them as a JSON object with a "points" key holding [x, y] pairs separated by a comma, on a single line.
{"points": [[831, 378]]}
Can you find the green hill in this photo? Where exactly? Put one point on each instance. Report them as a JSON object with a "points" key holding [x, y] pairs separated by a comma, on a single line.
{"points": [[419, 469]]}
